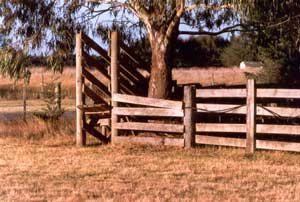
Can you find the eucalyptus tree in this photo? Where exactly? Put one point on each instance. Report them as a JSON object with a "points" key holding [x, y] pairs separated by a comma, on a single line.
{"points": [[163, 21], [160, 21]]}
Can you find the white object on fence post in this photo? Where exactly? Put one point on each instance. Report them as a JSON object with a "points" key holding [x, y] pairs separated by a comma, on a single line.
{"points": [[80, 134], [251, 114], [115, 50], [189, 120]]}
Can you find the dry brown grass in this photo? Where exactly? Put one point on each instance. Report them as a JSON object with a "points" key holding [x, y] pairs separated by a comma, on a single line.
{"points": [[51, 168], [36, 129], [10, 91]]}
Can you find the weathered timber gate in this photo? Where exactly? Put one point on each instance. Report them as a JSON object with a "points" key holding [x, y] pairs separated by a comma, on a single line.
{"points": [[93, 91]]}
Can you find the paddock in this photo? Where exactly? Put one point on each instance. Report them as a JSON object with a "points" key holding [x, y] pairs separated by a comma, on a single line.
{"points": [[113, 107]]}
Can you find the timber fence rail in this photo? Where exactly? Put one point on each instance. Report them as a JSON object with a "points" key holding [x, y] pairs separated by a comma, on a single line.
{"points": [[252, 111], [191, 129], [94, 91], [147, 107]]}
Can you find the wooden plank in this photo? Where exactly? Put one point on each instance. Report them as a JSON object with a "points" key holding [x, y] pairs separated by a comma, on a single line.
{"points": [[220, 141], [221, 128], [139, 140], [151, 102], [125, 66], [157, 141], [127, 87], [95, 81], [236, 142], [155, 127], [103, 114], [95, 107], [260, 111], [80, 134], [138, 111], [278, 93], [251, 115], [134, 57], [278, 145], [94, 132], [103, 53], [128, 76], [241, 128], [221, 93], [92, 62], [281, 111], [240, 93], [114, 68], [278, 129], [104, 122], [189, 118], [94, 96]]}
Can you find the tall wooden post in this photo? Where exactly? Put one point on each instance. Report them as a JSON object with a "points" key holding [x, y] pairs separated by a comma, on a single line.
{"points": [[80, 134], [115, 50], [251, 114], [189, 120]]}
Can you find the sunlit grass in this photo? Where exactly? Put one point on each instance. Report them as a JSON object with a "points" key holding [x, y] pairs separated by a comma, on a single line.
{"points": [[50, 167]]}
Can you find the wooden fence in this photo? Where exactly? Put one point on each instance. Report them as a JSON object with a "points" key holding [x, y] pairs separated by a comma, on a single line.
{"points": [[136, 106], [116, 107], [191, 129], [252, 110], [93, 93]]}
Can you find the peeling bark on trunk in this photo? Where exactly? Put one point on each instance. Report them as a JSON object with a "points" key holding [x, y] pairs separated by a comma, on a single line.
{"points": [[160, 76]]}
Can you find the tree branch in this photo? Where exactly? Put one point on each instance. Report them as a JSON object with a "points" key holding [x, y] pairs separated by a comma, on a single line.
{"points": [[135, 7], [206, 6], [233, 28], [175, 19]]}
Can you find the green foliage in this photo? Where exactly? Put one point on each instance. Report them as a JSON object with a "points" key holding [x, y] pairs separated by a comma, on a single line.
{"points": [[278, 41], [52, 112], [47, 25], [272, 73], [13, 64], [240, 49], [199, 51]]}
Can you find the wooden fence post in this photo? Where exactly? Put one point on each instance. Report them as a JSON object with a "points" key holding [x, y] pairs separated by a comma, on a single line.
{"points": [[80, 134], [57, 92], [115, 50], [24, 98], [189, 120], [251, 115]]}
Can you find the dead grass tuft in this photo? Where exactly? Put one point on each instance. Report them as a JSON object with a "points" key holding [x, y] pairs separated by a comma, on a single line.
{"points": [[34, 129]]}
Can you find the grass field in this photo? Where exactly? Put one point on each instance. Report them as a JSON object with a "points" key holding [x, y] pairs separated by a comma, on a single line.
{"points": [[49, 167], [40, 162]]}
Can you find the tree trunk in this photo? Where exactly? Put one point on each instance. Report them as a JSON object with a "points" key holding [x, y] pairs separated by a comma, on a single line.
{"points": [[160, 77]]}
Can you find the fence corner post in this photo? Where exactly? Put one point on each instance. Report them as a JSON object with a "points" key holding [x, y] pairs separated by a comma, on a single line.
{"points": [[115, 50], [80, 133], [189, 119], [251, 115]]}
